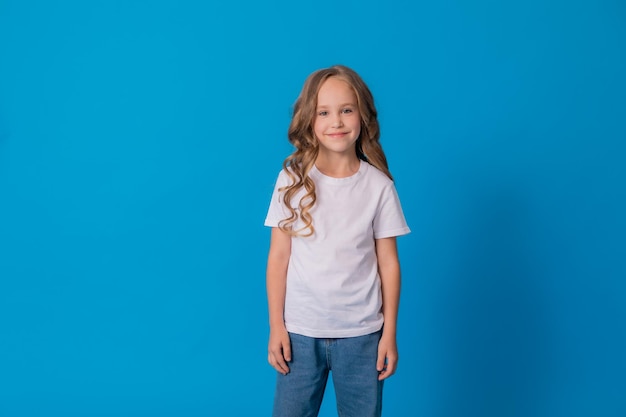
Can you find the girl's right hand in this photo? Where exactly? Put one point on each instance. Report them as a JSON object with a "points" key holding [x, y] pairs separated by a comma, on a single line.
{"points": [[279, 350]]}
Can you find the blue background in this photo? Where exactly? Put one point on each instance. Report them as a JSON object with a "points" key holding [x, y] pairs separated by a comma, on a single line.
{"points": [[139, 144]]}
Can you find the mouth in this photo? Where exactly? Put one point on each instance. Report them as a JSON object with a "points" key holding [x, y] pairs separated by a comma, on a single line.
{"points": [[337, 135]]}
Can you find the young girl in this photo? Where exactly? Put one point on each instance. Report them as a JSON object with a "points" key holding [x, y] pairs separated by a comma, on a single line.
{"points": [[333, 275]]}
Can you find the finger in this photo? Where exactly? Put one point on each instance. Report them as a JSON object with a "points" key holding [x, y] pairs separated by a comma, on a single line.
{"points": [[380, 362], [279, 367], [389, 369], [276, 359], [287, 351]]}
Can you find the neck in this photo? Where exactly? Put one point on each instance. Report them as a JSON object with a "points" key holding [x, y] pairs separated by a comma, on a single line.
{"points": [[338, 166]]}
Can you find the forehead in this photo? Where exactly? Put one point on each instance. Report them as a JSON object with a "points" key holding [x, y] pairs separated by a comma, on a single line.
{"points": [[335, 91]]}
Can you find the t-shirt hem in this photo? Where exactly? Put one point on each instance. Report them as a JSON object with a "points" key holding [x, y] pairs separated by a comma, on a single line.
{"points": [[270, 223], [336, 333], [391, 233]]}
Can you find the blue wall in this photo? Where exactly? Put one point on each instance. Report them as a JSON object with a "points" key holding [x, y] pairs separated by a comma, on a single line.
{"points": [[139, 143]]}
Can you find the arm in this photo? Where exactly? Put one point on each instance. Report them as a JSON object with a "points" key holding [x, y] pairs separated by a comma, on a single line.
{"points": [[279, 347], [389, 271]]}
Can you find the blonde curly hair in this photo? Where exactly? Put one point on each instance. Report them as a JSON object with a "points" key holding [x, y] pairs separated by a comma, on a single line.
{"points": [[301, 136]]}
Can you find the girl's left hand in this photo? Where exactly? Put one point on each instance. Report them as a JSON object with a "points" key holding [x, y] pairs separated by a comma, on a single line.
{"points": [[387, 357]]}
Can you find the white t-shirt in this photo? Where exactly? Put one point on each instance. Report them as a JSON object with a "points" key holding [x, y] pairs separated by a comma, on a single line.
{"points": [[333, 286]]}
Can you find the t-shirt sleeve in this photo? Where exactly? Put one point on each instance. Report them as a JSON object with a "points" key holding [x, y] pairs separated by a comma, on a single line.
{"points": [[389, 220], [276, 211]]}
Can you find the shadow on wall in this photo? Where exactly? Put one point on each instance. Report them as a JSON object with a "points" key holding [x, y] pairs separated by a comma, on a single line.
{"points": [[495, 337]]}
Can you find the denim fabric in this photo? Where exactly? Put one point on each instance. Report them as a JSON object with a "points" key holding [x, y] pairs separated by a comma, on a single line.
{"points": [[351, 362]]}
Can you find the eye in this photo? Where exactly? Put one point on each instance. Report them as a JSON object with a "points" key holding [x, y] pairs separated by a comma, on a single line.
{"points": [[347, 110], [322, 113]]}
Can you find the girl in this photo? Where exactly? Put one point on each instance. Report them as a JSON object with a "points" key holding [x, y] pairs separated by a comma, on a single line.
{"points": [[333, 275]]}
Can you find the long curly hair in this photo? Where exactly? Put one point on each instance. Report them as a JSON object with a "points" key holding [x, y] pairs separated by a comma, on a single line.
{"points": [[302, 137]]}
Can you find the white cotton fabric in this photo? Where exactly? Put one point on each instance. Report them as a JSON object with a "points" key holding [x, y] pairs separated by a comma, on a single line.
{"points": [[333, 286]]}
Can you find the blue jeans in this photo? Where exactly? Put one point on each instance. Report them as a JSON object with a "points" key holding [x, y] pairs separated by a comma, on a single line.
{"points": [[352, 363]]}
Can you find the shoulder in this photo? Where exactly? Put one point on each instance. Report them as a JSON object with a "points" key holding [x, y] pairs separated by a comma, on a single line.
{"points": [[283, 177], [376, 176]]}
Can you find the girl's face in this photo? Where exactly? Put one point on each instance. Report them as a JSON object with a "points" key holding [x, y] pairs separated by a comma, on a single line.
{"points": [[337, 122]]}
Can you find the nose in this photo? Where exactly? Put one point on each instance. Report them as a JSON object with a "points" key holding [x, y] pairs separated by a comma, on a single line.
{"points": [[337, 121]]}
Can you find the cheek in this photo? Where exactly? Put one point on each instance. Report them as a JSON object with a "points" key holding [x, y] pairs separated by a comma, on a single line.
{"points": [[318, 127]]}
